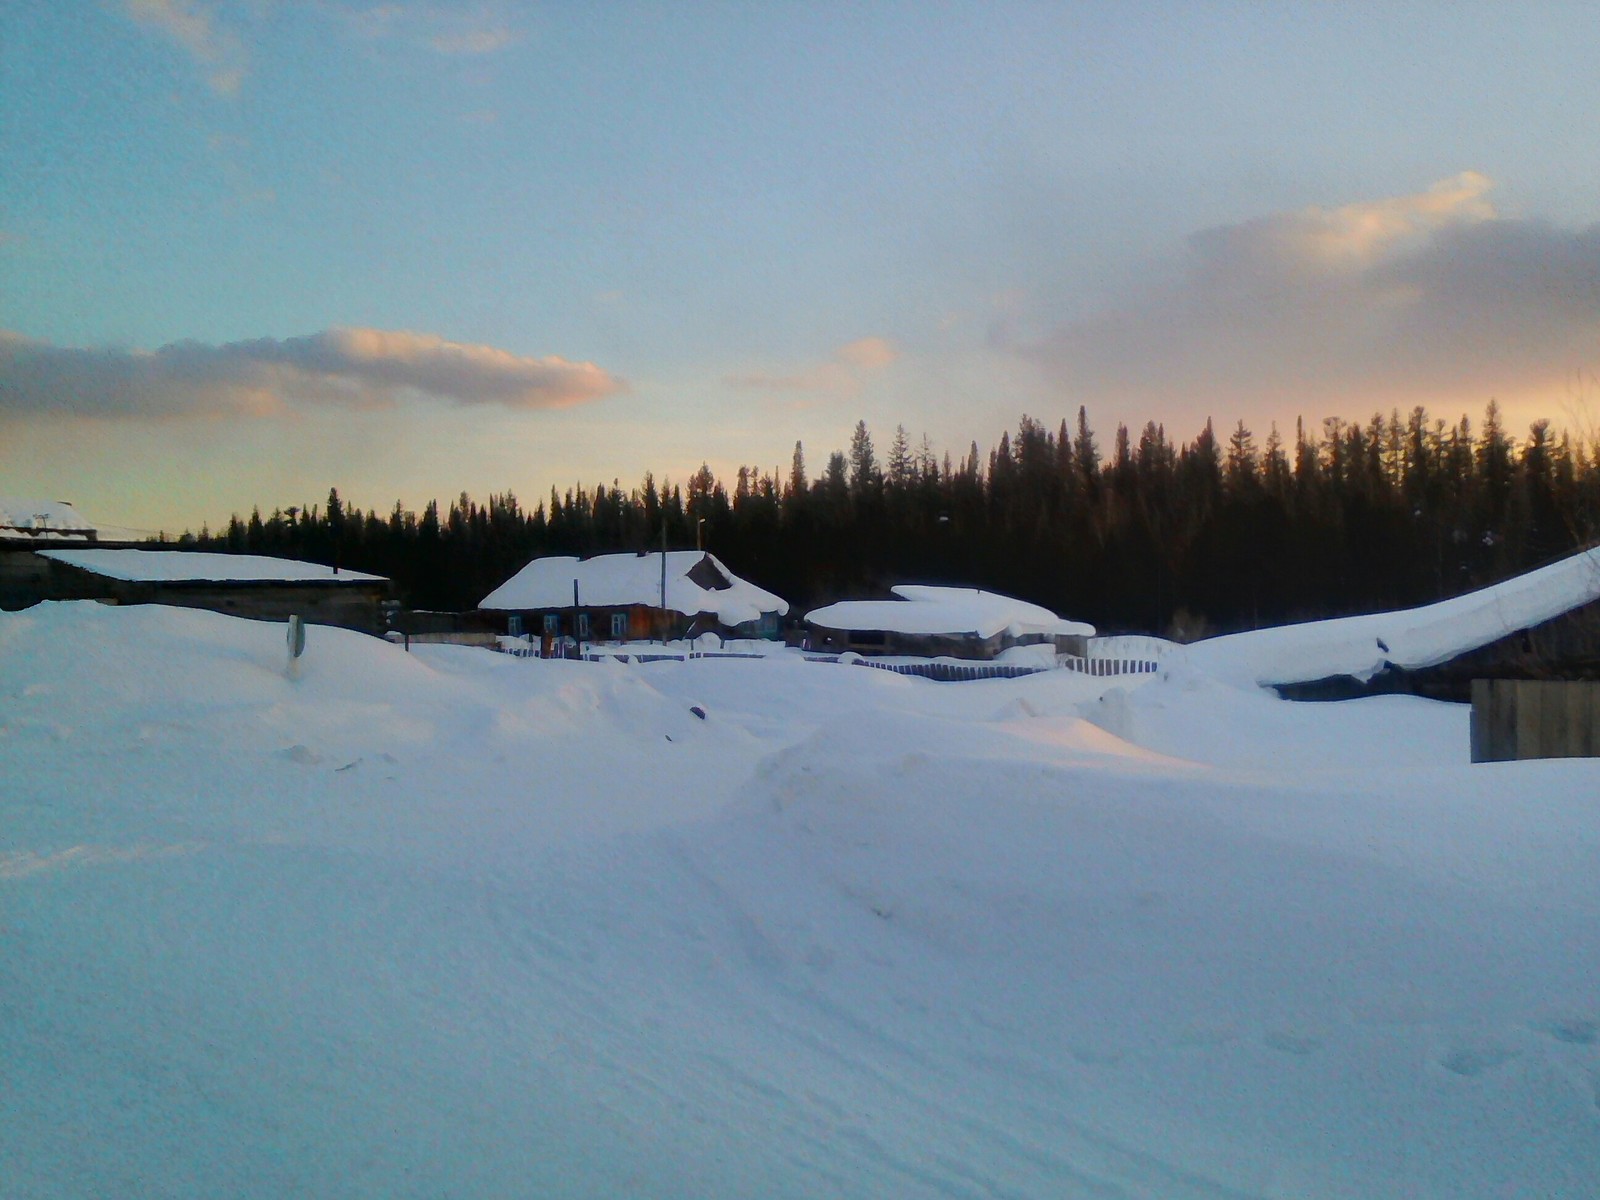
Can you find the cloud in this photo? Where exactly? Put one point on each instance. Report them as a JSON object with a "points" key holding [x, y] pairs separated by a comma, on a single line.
{"points": [[841, 375], [473, 41], [444, 30], [361, 368], [189, 24], [1395, 301], [869, 353]]}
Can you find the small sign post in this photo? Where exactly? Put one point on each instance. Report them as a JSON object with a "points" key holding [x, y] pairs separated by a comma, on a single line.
{"points": [[297, 644]]}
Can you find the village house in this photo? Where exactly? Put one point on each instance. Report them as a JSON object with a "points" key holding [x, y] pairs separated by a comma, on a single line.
{"points": [[241, 585], [658, 596], [942, 622]]}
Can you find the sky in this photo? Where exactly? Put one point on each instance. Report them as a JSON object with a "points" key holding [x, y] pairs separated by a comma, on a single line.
{"points": [[250, 251]]}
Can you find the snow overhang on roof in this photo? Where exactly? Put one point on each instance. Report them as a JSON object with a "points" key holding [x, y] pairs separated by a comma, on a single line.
{"points": [[945, 612], [1411, 639], [620, 580], [183, 566]]}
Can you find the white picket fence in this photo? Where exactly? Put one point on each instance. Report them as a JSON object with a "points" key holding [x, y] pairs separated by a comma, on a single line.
{"points": [[1127, 654]]}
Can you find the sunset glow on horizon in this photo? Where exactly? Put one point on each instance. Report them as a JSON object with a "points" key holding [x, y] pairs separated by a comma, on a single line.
{"points": [[250, 251]]}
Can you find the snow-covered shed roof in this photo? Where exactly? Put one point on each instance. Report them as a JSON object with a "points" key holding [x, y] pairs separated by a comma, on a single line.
{"points": [[183, 566], [697, 583], [1411, 638], [23, 518], [948, 611]]}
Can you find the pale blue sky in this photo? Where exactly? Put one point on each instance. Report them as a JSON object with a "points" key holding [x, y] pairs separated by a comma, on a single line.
{"points": [[759, 223]]}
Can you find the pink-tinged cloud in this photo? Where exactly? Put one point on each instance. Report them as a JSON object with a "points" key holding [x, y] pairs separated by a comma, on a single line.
{"points": [[361, 368], [190, 24], [1407, 299], [444, 29], [473, 41], [869, 353], [841, 375]]}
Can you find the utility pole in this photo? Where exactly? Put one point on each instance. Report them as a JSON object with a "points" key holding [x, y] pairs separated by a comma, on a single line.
{"points": [[664, 581]]}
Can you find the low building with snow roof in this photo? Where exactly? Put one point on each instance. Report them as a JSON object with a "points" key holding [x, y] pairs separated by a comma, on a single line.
{"points": [[37, 522], [242, 585], [942, 622], [634, 597], [26, 525], [1543, 624]]}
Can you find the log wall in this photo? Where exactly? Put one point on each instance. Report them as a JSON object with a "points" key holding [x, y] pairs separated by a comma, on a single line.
{"points": [[1532, 718]]}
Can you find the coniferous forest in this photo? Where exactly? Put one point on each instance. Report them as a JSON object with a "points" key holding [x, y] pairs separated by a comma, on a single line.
{"points": [[1222, 532]]}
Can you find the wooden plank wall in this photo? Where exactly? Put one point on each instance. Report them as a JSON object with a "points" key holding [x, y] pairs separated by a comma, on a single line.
{"points": [[1534, 718]]}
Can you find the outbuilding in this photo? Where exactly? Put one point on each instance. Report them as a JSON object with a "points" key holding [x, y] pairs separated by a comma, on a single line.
{"points": [[942, 622], [1544, 624], [241, 585]]}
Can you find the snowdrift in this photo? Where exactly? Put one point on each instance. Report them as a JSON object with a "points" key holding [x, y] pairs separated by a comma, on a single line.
{"points": [[456, 924]]}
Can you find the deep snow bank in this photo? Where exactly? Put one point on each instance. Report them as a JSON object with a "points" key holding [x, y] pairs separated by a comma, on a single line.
{"points": [[452, 924]]}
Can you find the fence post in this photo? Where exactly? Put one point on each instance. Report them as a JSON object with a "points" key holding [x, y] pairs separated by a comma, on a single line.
{"points": [[1482, 742]]}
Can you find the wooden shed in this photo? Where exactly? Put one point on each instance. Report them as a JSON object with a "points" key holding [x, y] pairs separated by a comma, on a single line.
{"points": [[241, 585], [942, 622]]}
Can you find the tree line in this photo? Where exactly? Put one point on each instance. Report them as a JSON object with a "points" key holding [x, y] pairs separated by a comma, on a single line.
{"points": [[1183, 539]]}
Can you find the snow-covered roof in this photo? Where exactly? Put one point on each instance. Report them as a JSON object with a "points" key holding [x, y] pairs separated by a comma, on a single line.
{"points": [[183, 566], [620, 579], [948, 611], [22, 518], [1410, 638]]}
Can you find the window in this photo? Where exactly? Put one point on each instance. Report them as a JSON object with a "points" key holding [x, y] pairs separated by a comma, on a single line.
{"points": [[583, 625], [619, 626], [514, 624], [552, 623]]}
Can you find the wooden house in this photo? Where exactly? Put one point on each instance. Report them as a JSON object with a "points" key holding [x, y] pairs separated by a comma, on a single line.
{"points": [[634, 597]]}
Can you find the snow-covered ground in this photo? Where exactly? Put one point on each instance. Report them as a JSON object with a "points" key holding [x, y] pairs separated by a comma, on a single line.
{"points": [[454, 924]]}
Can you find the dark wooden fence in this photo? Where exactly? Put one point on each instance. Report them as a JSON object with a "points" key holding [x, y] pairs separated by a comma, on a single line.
{"points": [[946, 672], [1534, 718]]}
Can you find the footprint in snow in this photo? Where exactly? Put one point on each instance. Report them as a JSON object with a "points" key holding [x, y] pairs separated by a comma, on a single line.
{"points": [[1291, 1042], [1096, 1056], [1574, 1031], [1472, 1061]]}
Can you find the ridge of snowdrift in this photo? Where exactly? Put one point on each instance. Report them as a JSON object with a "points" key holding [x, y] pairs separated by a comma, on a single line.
{"points": [[455, 924]]}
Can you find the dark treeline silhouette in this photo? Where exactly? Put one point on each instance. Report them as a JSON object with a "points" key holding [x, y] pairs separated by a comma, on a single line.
{"points": [[1205, 536]]}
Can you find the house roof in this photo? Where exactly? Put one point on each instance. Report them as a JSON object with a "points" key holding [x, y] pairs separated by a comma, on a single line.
{"points": [[183, 566], [26, 519], [696, 583], [1410, 638], [946, 611]]}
